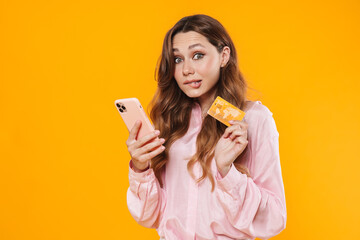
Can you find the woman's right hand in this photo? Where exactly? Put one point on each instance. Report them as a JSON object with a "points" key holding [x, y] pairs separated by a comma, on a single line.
{"points": [[144, 149]]}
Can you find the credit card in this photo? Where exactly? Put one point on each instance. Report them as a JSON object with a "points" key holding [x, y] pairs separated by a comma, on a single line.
{"points": [[224, 111]]}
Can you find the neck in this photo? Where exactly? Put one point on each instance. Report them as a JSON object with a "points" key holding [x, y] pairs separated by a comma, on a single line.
{"points": [[205, 103]]}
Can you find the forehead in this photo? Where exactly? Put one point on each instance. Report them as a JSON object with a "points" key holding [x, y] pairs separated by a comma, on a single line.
{"points": [[184, 40]]}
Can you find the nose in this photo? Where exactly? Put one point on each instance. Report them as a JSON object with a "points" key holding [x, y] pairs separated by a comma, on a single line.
{"points": [[187, 68]]}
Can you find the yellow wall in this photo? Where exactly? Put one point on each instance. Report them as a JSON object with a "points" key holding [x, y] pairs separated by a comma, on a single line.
{"points": [[64, 163]]}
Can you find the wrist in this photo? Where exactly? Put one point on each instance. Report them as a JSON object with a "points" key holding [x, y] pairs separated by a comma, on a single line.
{"points": [[224, 170], [138, 169]]}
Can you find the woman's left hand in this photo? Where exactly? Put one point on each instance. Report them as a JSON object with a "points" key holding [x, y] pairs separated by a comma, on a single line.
{"points": [[231, 144]]}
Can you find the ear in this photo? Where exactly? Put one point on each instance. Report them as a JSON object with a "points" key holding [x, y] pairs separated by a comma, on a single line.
{"points": [[225, 56]]}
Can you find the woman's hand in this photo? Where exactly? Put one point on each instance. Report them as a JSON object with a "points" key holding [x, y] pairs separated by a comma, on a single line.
{"points": [[231, 144], [144, 149]]}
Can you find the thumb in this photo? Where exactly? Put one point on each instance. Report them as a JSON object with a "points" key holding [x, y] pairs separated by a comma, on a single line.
{"points": [[135, 130]]}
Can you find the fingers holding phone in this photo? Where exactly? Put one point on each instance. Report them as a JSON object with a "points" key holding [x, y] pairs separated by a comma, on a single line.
{"points": [[145, 148], [143, 142]]}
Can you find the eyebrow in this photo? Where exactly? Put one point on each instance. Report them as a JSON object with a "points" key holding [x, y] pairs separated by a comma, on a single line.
{"points": [[190, 47]]}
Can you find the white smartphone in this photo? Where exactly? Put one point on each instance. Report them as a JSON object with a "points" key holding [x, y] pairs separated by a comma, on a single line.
{"points": [[131, 110]]}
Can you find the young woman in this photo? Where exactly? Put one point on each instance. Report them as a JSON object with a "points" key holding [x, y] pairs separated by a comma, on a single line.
{"points": [[195, 178]]}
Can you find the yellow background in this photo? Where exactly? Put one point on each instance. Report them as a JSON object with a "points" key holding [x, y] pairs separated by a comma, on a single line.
{"points": [[64, 163]]}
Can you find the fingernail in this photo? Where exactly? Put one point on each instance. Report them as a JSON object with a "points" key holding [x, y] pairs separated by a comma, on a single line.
{"points": [[157, 132], [231, 122]]}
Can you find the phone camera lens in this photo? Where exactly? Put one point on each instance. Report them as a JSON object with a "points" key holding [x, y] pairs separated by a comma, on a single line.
{"points": [[118, 105], [123, 107], [121, 110]]}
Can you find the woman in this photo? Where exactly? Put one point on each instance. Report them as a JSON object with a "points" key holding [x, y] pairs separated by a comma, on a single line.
{"points": [[195, 178]]}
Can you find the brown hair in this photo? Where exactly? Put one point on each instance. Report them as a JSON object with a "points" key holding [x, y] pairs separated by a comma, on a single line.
{"points": [[171, 108]]}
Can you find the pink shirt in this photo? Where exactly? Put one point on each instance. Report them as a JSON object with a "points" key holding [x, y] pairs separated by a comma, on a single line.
{"points": [[239, 208]]}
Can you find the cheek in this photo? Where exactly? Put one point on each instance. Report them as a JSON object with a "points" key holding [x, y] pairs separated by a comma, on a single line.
{"points": [[177, 74], [209, 67]]}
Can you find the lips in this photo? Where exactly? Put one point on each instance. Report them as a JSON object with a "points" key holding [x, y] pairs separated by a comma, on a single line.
{"points": [[190, 81], [193, 83]]}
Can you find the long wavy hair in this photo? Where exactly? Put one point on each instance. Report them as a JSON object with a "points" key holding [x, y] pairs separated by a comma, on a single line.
{"points": [[171, 108]]}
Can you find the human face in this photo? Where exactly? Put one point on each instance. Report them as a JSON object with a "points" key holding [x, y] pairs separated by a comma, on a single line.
{"points": [[197, 65]]}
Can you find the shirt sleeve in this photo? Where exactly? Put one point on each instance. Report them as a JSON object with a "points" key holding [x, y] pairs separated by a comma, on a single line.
{"points": [[256, 205], [145, 198]]}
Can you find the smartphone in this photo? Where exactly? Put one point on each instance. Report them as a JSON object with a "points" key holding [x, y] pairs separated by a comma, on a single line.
{"points": [[131, 110]]}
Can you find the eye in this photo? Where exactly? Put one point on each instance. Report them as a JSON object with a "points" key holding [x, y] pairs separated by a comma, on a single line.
{"points": [[177, 60], [198, 56]]}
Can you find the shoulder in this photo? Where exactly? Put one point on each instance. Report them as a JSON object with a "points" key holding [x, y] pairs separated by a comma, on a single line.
{"points": [[256, 109], [259, 118]]}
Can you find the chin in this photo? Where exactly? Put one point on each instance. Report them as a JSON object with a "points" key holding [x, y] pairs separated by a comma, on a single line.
{"points": [[193, 94]]}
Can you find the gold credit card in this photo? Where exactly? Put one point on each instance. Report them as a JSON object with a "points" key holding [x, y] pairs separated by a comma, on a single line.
{"points": [[224, 111]]}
